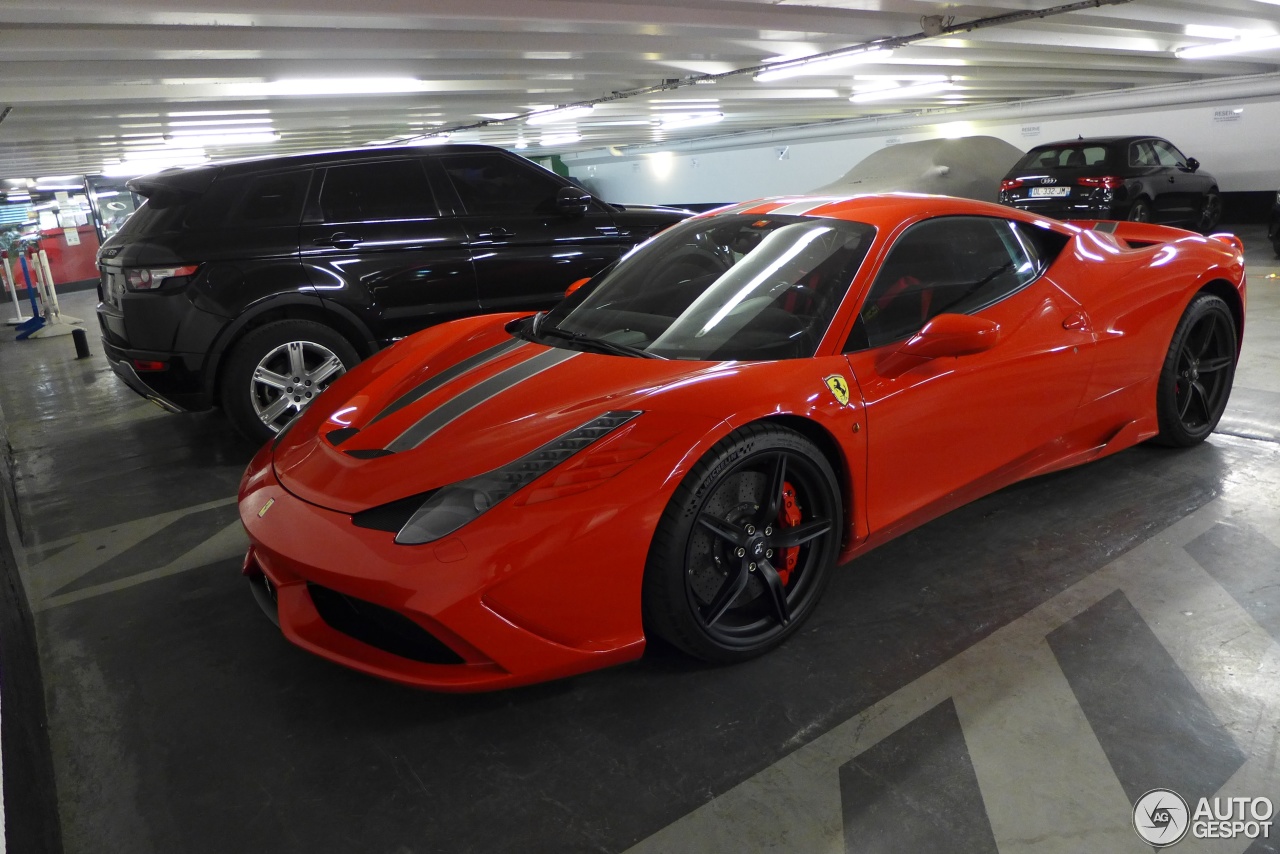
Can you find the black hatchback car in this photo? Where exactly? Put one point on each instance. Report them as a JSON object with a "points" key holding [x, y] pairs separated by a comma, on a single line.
{"points": [[1139, 178], [254, 284]]}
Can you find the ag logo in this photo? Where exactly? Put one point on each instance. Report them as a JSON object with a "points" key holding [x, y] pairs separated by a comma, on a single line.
{"points": [[839, 388], [1160, 817]]}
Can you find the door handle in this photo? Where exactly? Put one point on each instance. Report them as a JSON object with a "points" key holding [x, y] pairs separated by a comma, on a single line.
{"points": [[339, 240], [1079, 320], [496, 233]]}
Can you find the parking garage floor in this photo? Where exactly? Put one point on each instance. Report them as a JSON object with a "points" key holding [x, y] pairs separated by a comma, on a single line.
{"points": [[1011, 677]]}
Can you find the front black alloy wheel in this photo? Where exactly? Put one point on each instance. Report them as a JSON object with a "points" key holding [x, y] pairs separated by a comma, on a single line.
{"points": [[745, 547], [1199, 368]]}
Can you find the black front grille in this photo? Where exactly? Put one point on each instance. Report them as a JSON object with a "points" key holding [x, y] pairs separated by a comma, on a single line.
{"points": [[379, 627]]}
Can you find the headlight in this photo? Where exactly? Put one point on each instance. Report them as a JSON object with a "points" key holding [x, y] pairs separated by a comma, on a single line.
{"points": [[450, 507]]}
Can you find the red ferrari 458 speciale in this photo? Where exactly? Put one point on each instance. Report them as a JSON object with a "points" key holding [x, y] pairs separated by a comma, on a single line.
{"points": [[689, 443]]}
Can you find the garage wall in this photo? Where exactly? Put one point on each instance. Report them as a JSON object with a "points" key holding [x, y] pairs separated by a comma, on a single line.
{"points": [[1231, 129]]}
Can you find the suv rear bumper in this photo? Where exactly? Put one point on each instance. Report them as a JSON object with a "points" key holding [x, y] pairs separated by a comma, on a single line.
{"points": [[125, 371], [177, 389]]}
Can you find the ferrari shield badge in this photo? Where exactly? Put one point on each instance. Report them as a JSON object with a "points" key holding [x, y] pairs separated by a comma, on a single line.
{"points": [[839, 388]]}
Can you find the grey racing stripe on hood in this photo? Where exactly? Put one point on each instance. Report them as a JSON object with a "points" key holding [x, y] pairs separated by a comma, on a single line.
{"points": [[468, 364], [454, 408]]}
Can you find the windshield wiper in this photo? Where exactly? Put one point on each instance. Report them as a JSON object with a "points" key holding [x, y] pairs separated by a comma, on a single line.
{"points": [[585, 340]]}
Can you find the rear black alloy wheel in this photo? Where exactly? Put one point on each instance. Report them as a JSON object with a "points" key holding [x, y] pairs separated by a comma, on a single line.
{"points": [[1141, 211], [745, 547], [277, 370], [1195, 381], [1210, 213]]}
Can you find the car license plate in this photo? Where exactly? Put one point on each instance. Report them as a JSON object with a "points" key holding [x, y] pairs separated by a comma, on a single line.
{"points": [[1041, 192]]}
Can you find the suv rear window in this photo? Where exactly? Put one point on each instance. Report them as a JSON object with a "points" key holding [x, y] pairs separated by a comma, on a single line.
{"points": [[156, 216], [1064, 156]]}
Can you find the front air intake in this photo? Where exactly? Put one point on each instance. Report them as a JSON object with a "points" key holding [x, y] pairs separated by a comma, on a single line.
{"points": [[379, 627]]}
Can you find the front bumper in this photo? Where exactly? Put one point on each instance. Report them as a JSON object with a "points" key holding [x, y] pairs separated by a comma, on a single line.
{"points": [[522, 595]]}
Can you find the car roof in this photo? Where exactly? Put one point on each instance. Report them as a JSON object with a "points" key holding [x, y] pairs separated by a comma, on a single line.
{"points": [[1096, 140], [883, 210], [196, 178]]}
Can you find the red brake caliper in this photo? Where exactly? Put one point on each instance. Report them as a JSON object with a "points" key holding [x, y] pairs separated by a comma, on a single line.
{"points": [[788, 517]]}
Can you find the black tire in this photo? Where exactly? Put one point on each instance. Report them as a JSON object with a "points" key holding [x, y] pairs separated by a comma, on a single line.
{"points": [[1210, 212], [1196, 378], [716, 584], [1141, 211], [260, 394]]}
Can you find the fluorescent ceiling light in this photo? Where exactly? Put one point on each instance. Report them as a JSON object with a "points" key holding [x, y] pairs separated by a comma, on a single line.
{"points": [[563, 114], [18, 197], [821, 64], [1227, 48], [205, 123], [336, 86], [902, 91], [559, 138], [215, 140], [57, 179], [677, 121], [1201, 31], [218, 130], [521, 145], [192, 113]]}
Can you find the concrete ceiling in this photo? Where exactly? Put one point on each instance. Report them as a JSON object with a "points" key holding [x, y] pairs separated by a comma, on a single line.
{"points": [[89, 83]]}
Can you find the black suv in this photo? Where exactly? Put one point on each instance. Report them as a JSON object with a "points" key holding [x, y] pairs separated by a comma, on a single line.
{"points": [[254, 284], [1139, 178]]}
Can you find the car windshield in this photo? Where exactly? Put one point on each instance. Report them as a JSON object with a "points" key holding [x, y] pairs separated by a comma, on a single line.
{"points": [[736, 287]]}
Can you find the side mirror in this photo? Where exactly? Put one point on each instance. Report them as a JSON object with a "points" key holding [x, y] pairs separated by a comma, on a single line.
{"points": [[1193, 164], [573, 201], [952, 335], [569, 290]]}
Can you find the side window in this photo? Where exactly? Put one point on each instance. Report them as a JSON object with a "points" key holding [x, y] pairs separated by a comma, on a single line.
{"points": [[1167, 154], [1094, 155], [1142, 154], [395, 189], [495, 184], [958, 264], [272, 200]]}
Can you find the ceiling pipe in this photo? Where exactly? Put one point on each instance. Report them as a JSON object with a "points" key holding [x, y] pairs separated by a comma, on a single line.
{"points": [[1170, 95]]}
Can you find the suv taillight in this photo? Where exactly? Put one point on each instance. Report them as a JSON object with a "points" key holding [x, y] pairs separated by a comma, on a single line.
{"points": [[151, 278], [1011, 183], [1108, 182]]}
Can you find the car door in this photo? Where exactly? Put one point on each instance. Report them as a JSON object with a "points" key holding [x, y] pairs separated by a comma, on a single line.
{"points": [[1187, 189], [936, 426], [526, 251], [374, 240]]}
